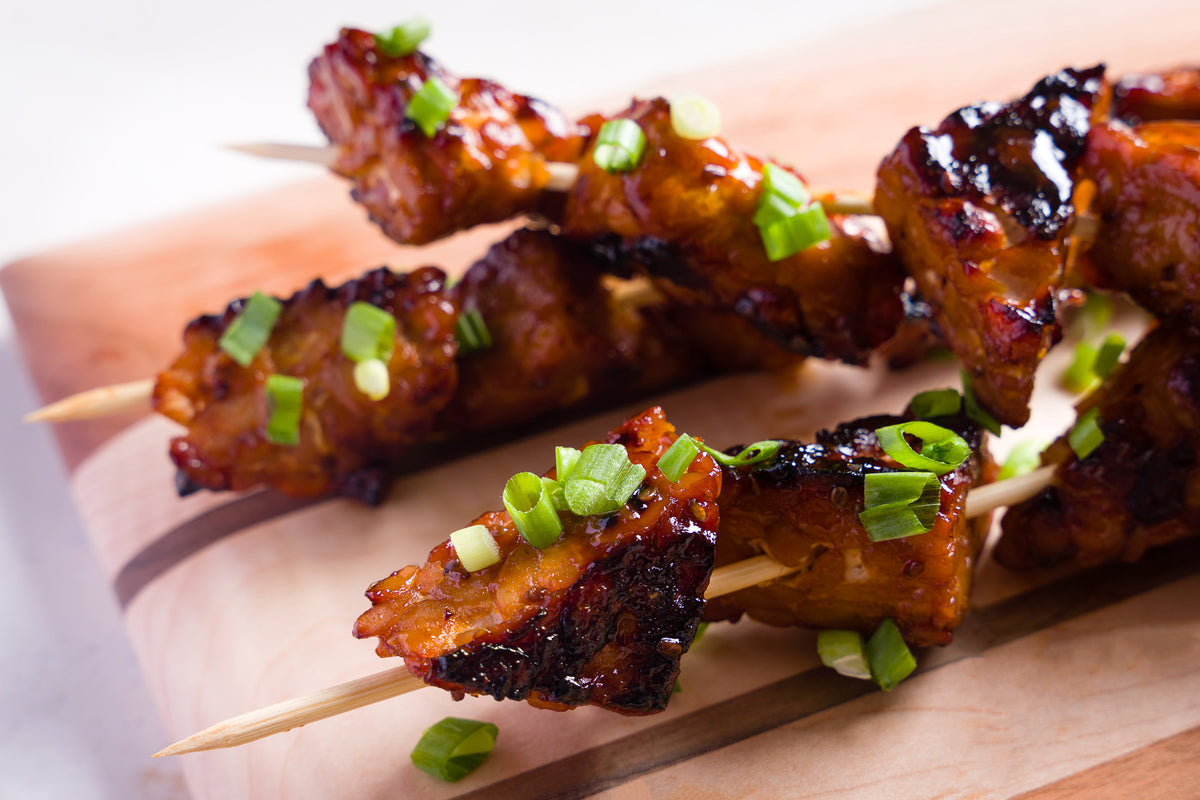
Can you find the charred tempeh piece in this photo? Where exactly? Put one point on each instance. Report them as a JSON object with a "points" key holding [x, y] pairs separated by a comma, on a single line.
{"points": [[804, 509], [561, 339], [980, 209], [1137, 489], [345, 438], [1148, 201], [488, 162], [1171, 94], [599, 617], [685, 216]]}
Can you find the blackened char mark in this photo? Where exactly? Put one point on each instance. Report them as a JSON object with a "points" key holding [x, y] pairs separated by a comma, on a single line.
{"points": [[1019, 155], [637, 609]]}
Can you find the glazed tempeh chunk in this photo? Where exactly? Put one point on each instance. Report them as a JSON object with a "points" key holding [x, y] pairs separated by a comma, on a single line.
{"points": [[560, 337], [685, 216], [1148, 202], [1171, 94], [487, 163], [804, 510], [345, 438], [980, 209], [1137, 489], [601, 616]]}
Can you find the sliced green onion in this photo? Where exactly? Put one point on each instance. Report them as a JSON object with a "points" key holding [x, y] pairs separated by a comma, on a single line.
{"points": [[1081, 375], [529, 500], [251, 329], [772, 208], [935, 403], [285, 402], [899, 504], [798, 232], [974, 410], [780, 181], [941, 450], [1109, 355], [403, 39], [431, 105], [1095, 316], [678, 457], [1025, 457], [368, 332], [372, 379], [471, 332], [564, 461], [454, 747], [619, 145], [475, 547], [843, 650], [1086, 436], [694, 116], [890, 659], [602, 480], [752, 455]]}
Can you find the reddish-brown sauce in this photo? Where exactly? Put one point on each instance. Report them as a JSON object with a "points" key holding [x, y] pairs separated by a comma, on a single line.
{"points": [[601, 616]]}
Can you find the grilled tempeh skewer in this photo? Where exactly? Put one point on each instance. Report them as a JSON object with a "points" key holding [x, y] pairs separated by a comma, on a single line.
{"points": [[560, 339], [494, 608], [1137, 488]]}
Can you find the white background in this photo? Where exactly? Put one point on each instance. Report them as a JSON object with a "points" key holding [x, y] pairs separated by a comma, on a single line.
{"points": [[113, 114]]}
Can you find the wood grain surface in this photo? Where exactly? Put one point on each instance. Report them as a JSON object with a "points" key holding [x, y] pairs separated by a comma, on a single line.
{"points": [[1057, 687]]}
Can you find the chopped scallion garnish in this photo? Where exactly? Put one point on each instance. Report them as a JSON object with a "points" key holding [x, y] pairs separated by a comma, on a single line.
{"points": [[786, 217], [564, 461], [751, 455], [619, 145], [1086, 436], [675, 461], [899, 504], [471, 332], [1081, 375], [368, 332], [431, 105], [403, 39], [1109, 355], [694, 116], [1025, 457], [890, 659], [974, 410], [251, 329], [781, 182], [285, 402], [475, 547], [941, 450], [935, 403], [601, 480], [529, 500], [798, 232], [372, 379], [454, 747], [843, 650]]}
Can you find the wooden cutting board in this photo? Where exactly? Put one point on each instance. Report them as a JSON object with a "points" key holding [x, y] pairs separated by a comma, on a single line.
{"points": [[1057, 686]]}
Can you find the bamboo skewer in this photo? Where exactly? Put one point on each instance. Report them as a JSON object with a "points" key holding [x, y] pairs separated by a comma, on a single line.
{"points": [[562, 175], [101, 402], [361, 692]]}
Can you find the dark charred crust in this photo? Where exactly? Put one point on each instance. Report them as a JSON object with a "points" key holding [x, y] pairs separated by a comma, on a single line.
{"points": [[1136, 489], [601, 616], [802, 509], [661, 597]]}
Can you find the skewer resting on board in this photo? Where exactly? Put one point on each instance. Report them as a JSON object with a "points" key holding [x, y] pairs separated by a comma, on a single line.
{"points": [[562, 175], [361, 692]]}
